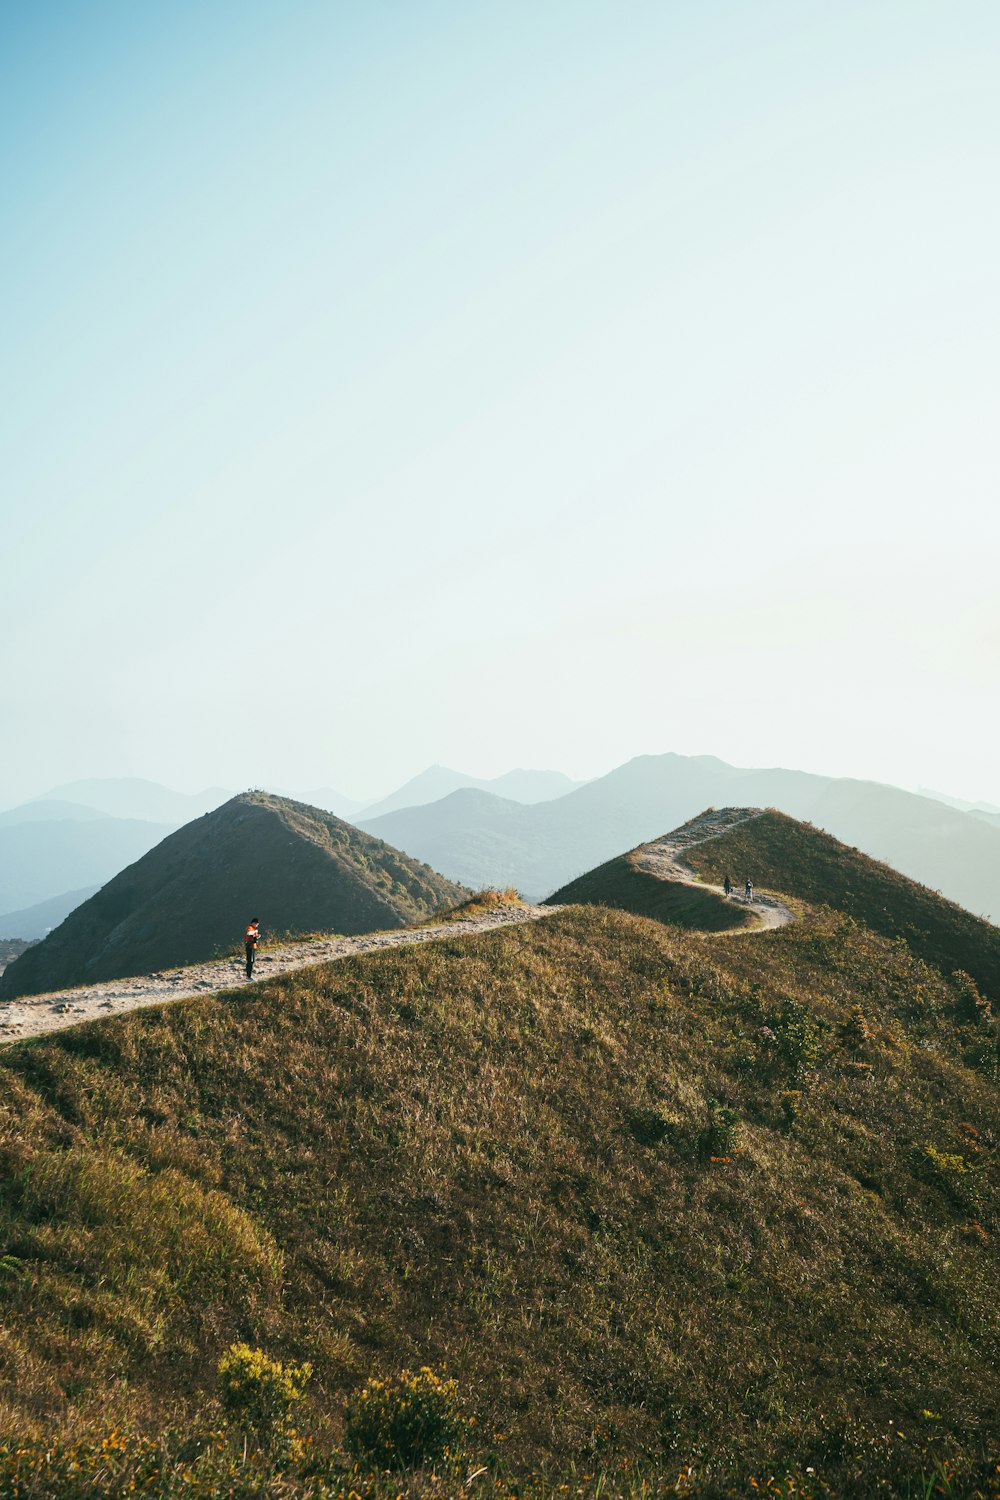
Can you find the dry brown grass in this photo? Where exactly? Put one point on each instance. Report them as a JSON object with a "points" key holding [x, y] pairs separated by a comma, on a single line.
{"points": [[494, 1155]]}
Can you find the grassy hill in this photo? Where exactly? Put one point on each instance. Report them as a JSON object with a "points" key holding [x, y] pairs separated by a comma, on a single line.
{"points": [[781, 854], [664, 1205], [620, 883], [299, 869]]}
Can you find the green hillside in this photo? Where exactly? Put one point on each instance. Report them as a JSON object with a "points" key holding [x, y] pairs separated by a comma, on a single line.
{"points": [[620, 883], [783, 855], [659, 1202], [296, 867]]}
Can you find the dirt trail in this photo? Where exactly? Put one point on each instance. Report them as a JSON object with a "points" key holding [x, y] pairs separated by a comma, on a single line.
{"points": [[662, 857], [31, 1015]]}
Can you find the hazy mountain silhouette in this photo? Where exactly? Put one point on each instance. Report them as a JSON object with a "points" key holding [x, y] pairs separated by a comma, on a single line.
{"points": [[44, 859], [51, 811], [963, 806], [296, 867], [131, 797], [331, 800], [542, 847], [439, 781], [35, 921]]}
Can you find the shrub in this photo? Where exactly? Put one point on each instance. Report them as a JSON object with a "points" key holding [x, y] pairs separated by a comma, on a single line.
{"points": [[855, 1032], [406, 1420], [720, 1135], [260, 1393], [971, 1008], [791, 1106], [953, 1174], [798, 1036]]}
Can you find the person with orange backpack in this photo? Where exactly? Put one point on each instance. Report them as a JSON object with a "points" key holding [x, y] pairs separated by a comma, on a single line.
{"points": [[250, 940]]}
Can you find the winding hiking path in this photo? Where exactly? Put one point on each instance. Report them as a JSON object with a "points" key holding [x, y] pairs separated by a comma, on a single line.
{"points": [[663, 858], [33, 1015]]}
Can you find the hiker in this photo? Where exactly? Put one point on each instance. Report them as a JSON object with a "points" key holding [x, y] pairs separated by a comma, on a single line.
{"points": [[250, 940], [727, 886], [749, 890]]}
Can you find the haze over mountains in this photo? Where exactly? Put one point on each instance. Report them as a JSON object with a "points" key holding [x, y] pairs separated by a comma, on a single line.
{"points": [[532, 829], [54, 862], [478, 838], [43, 859], [439, 781]]}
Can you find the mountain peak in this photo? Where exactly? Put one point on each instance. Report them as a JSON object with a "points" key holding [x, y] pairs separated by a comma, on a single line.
{"points": [[299, 868]]}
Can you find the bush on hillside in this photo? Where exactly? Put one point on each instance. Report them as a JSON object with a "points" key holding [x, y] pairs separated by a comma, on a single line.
{"points": [[971, 1008], [261, 1393], [722, 1131], [406, 1420]]}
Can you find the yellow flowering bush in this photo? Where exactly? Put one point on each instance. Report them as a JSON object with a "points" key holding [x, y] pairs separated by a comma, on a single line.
{"points": [[259, 1392], [406, 1420]]}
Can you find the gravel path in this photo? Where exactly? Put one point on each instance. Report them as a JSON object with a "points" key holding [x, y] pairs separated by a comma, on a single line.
{"points": [[32, 1015], [662, 857]]}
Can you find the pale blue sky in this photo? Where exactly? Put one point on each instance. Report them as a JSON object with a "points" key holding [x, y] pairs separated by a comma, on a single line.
{"points": [[508, 383]]}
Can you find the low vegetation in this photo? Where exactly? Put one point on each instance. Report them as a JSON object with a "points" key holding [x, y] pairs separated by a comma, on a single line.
{"points": [[673, 1211], [480, 903]]}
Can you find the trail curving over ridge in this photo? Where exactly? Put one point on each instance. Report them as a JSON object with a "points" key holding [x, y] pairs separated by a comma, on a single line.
{"points": [[663, 858]]}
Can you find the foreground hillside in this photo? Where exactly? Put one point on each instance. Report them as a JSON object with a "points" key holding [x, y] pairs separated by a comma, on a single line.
{"points": [[655, 1200], [299, 869]]}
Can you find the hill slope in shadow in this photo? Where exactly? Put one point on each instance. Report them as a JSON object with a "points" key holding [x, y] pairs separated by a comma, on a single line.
{"points": [[299, 869]]}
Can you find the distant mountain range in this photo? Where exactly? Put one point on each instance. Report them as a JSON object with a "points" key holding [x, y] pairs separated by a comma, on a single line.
{"points": [[299, 868], [439, 781], [533, 829], [477, 837], [131, 797], [42, 859], [57, 849], [35, 921]]}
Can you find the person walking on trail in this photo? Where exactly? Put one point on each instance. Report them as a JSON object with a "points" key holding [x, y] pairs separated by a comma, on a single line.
{"points": [[749, 890], [250, 940], [727, 886]]}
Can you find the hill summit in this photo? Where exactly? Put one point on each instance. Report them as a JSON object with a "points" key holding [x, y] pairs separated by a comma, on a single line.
{"points": [[298, 868]]}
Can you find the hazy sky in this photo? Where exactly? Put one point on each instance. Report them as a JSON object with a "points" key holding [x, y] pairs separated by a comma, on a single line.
{"points": [[499, 383]]}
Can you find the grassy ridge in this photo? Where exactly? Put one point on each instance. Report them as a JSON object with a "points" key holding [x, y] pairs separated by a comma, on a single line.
{"points": [[784, 855], [621, 884], [649, 1197]]}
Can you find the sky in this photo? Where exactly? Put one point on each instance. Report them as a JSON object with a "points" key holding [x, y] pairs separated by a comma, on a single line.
{"points": [[533, 382]]}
